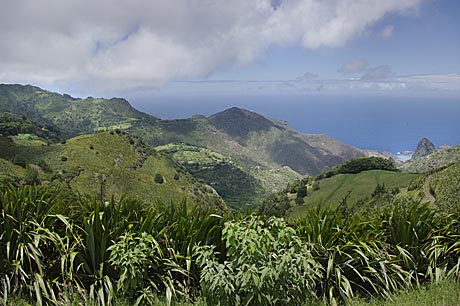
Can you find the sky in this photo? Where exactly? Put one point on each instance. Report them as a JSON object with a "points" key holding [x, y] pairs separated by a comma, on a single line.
{"points": [[141, 49]]}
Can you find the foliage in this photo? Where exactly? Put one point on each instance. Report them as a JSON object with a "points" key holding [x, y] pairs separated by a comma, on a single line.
{"points": [[13, 124], [360, 164], [32, 176], [142, 268], [20, 160], [56, 245], [275, 205], [158, 178], [267, 264], [362, 184]]}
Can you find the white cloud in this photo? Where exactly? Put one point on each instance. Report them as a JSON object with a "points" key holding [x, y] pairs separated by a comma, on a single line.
{"points": [[387, 31], [379, 72], [359, 65], [108, 45]]}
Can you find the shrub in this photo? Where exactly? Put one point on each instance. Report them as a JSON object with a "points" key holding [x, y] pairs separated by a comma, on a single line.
{"points": [[31, 177], [302, 191], [20, 160], [44, 166], [158, 178], [266, 264], [275, 205], [315, 185], [142, 268]]}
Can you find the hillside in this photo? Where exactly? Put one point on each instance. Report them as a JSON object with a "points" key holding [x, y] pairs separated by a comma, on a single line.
{"points": [[237, 186], [332, 190], [432, 161], [257, 146], [71, 116], [106, 165], [445, 188]]}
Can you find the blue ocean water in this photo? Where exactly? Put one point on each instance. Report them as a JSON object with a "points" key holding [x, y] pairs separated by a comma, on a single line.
{"points": [[381, 123]]}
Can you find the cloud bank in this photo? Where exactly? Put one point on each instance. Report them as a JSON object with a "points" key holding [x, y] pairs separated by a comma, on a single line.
{"points": [[107, 45]]}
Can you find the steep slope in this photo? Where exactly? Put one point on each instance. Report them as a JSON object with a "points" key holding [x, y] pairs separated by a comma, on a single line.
{"points": [[331, 191], [424, 148], [111, 164], [445, 188], [259, 147], [71, 116], [432, 161]]}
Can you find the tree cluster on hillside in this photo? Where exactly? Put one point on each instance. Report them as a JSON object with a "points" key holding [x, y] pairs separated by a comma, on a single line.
{"points": [[12, 124], [357, 165]]}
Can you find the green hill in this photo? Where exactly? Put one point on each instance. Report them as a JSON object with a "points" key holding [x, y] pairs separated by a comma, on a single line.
{"points": [[445, 187], [332, 190], [71, 116], [266, 154], [237, 186], [110, 164]]}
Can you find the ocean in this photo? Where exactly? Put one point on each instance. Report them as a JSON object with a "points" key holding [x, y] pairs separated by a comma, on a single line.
{"points": [[393, 124]]}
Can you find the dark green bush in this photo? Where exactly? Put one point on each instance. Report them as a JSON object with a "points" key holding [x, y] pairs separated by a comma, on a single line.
{"points": [[20, 160], [158, 178]]}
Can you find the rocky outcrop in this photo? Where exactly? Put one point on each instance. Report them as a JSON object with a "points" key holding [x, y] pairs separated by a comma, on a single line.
{"points": [[424, 147]]}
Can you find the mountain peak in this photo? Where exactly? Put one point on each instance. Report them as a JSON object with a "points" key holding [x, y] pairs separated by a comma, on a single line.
{"points": [[424, 147], [239, 122]]}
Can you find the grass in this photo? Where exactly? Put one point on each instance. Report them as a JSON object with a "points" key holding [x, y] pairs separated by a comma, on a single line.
{"points": [[334, 189], [443, 294], [112, 164]]}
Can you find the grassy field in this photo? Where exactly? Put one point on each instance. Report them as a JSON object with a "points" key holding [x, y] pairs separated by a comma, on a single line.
{"points": [[334, 189]]}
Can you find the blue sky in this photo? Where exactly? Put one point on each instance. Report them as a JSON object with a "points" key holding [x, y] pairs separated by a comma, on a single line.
{"points": [[159, 48]]}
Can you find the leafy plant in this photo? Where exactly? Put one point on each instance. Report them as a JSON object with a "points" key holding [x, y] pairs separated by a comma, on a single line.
{"points": [[266, 264], [143, 268]]}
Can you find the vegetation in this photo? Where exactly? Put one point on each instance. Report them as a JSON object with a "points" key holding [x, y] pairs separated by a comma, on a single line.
{"points": [[105, 219], [433, 161], [55, 245], [118, 164], [360, 186], [360, 164]]}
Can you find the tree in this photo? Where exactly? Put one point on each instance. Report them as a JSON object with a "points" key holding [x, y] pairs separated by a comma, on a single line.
{"points": [[302, 191]]}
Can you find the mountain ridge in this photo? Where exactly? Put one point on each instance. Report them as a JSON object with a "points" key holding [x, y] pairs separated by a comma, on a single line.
{"points": [[256, 145]]}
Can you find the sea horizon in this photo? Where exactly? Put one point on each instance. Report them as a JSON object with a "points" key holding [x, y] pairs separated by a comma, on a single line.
{"points": [[393, 124]]}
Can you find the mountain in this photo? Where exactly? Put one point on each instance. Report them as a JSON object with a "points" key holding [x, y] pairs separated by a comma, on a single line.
{"points": [[424, 147], [432, 161], [71, 116], [256, 148]]}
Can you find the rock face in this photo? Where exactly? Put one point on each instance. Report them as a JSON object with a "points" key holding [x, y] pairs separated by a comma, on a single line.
{"points": [[424, 147]]}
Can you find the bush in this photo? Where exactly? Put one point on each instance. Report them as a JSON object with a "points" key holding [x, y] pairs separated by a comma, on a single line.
{"points": [[20, 160], [31, 177], [44, 166], [158, 178], [275, 205], [302, 191], [315, 185], [266, 264]]}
